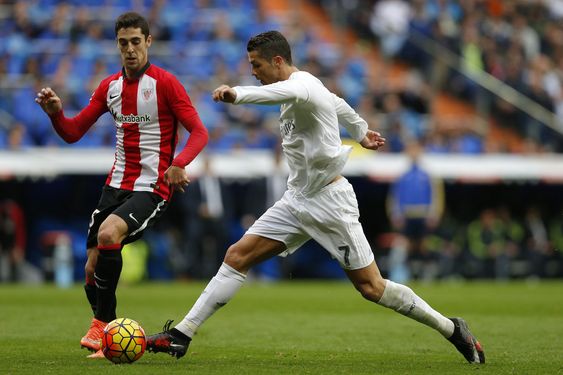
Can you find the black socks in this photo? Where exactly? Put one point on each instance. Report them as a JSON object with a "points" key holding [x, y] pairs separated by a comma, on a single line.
{"points": [[92, 295], [107, 272]]}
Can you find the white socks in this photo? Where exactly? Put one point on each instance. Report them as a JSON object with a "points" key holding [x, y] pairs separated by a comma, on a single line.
{"points": [[228, 281], [403, 300], [218, 292]]}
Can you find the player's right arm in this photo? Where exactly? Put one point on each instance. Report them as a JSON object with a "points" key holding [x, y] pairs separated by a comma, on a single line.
{"points": [[70, 129], [274, 93], [225, 94]]}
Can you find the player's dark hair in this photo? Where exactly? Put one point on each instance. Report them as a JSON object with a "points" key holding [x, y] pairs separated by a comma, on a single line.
{"points": [[269, 44], [134, 20]]}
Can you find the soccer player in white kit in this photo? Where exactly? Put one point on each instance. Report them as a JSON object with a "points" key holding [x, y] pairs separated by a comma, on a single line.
{"points": [[319, 203]]}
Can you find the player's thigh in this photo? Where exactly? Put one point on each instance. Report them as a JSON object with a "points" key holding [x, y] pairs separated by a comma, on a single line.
{"points": [[279, 223], [335, 225], [110, 199], [140, 211], [346, 242]]}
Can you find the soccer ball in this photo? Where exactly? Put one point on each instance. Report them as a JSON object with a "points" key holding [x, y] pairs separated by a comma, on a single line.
{"points": [[123, 341]]}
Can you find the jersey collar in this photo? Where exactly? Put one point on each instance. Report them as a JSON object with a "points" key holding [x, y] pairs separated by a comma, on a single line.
{"points": [[138, 74]]}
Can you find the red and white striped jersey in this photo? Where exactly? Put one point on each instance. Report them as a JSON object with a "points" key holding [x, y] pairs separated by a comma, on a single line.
{"points": [[146, 110]]}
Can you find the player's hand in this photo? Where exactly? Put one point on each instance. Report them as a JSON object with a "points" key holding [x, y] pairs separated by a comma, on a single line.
{"points": [[49, 101], [373, 140], [225, 94], [176, 177]]}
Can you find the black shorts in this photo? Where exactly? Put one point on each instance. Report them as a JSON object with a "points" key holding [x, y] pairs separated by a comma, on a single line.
{"points": [[139, 209], [415, 229]]}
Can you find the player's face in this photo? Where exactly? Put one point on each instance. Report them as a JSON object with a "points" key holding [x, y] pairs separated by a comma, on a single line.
{"points": [[134, 49], [263, 70]]}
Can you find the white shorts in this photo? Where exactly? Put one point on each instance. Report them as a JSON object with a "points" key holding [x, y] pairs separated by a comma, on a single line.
{"points": [[330, 217]]}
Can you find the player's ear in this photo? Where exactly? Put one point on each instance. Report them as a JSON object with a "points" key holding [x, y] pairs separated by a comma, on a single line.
{"points": [[278, 61], [149, 40]]}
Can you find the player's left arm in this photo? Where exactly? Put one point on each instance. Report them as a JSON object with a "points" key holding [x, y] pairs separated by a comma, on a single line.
{"points": [[357, 127], [186, 113]]}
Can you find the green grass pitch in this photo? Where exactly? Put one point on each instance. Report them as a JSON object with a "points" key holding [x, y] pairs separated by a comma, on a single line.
{"points": [[293, 328]]}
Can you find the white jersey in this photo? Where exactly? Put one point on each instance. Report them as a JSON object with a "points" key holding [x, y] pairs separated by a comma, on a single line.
{"points": [[309, 125]]}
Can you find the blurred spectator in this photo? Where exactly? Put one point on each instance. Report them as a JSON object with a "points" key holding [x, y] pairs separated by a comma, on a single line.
{"points": [[30, 114], [466, 138], [436, 142], [12, 241], [204, 239], [135, 259], [537, 246], [17, 137], [393, 122], [554, 256], [526, 36], [509, 258], [80, 23], [444, 243], [405, 110], [415, 205], [472, 63], [389, 22], [555, 8], [493, 242], [533, 128], [259, 138], [485, 240]]}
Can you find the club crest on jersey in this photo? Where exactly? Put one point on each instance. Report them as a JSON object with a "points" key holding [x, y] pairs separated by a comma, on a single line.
{"points": [[147, 93]]}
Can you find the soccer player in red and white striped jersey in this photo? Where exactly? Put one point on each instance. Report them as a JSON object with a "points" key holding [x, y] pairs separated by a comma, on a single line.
{"points": [[147, 104]]}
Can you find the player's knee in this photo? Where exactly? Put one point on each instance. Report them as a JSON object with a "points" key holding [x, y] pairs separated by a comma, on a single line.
{"points": [[107, 236], [113, 230], [368, 292], [372, 291], [236, 258]]}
